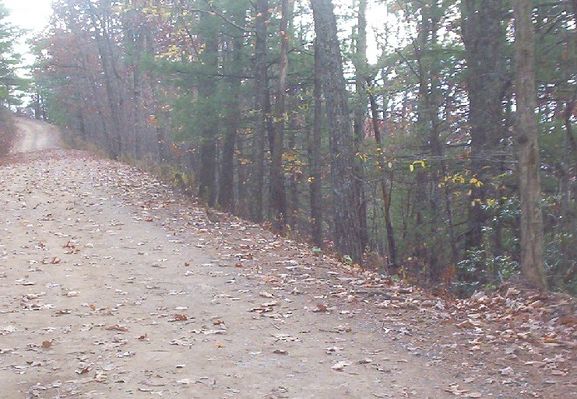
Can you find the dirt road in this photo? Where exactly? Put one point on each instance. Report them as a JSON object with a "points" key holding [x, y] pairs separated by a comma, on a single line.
{"points": [[112, 288], [98, 302], [33, 135]]}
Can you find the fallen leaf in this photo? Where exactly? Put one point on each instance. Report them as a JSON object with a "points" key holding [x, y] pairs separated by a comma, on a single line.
{"points": [[116, 327], [82, 371], [180, 317], [321, 308], [340, 366]]}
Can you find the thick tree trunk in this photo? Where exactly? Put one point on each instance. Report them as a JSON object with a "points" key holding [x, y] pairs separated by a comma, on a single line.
{"points": [[262, 104], [484, 37], [207, 123], [233, 115], [532, 263], [347, 236], [314, 150]]}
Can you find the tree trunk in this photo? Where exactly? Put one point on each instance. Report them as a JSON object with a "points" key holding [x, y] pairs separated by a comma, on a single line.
{"points": [[233, 117], [484, 38], [278, 190], [314, 150], [532, 263], [262, 105], [207, 123], [391, 243], [112, 82], [360, 114], [347, 236]]}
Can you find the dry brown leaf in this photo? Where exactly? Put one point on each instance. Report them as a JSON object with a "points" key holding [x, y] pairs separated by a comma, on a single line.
{"points": [[83, 370], [321, 308]]}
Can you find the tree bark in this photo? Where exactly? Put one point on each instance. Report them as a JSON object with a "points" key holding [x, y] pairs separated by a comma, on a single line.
{"points": [[207, 122], [391, 242], [314, 150], [360, 115], [484, 38], [278, 191], [233, 116], [347, 234], [532, 263], [262, 104], [112, 82]]}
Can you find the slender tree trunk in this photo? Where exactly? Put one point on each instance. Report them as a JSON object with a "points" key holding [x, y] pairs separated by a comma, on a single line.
{"points": [[360, 115], [434, 103], [532, 263], [262, 105], [207, 123], [100, 108], [233, 117], [421, 205], [347, 236], [293, 203], [278, 190], [111, 82], [242, 180], [391, 243]]}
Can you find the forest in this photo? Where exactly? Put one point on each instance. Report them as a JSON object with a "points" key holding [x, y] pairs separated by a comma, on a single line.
{"points": [[12, 86], [429, 139]]}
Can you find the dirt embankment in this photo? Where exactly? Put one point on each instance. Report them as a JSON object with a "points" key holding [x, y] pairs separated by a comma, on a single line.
{"points": [[7, 132]]}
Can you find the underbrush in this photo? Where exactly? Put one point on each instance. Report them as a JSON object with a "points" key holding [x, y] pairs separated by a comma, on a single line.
{"points": [[7, 132], [172, 175], [72, 141]]}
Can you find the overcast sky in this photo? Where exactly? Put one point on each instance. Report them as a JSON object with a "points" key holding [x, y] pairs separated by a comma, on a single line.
{"points": [[32, 15], [29, 14]]}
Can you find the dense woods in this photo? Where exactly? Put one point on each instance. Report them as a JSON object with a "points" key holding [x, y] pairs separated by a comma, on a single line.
{"points": [[433, 139], [11, 85]]}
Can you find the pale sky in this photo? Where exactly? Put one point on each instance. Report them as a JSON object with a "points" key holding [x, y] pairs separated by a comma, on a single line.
{"points": [[32, 15], [29, 14]]}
